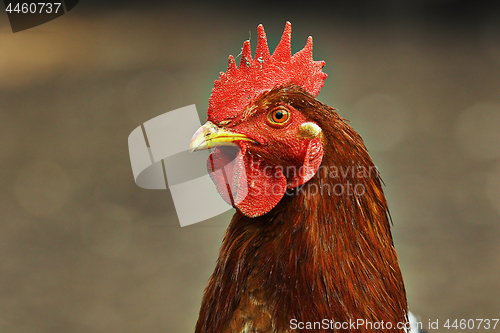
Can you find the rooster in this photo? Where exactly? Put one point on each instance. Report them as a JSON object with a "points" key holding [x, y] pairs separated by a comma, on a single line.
{"points": [[309, 247]]}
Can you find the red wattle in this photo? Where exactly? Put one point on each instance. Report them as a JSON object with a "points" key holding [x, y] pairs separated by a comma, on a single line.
{"points": [[245, 182]]}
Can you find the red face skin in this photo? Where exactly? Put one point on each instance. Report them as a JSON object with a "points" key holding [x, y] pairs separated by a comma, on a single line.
{"points": [[279, 159]]}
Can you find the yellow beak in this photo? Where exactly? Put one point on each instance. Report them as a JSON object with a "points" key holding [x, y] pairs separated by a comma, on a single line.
{"points": [[209, 136]]}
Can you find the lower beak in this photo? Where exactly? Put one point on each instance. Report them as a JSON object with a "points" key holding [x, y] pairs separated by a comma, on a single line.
{"points": [[209, 136]]}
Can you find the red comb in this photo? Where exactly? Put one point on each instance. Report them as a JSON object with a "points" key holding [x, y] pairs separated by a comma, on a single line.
{"points": [[236, 88]]}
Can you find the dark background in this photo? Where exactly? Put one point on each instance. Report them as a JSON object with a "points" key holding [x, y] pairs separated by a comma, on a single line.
{"points": [[83, 249]]}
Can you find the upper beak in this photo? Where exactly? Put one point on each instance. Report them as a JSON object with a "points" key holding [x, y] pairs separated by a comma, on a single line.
{"points": [[209, 135]]}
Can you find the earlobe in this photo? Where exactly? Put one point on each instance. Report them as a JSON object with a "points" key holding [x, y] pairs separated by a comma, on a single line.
{"points": [[309, 130]]}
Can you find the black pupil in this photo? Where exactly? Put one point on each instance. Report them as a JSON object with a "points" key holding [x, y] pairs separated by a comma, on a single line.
{"points": [[279, 115]]}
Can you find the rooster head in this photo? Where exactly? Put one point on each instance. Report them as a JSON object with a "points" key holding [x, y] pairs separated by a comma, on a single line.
{"points": [[263, 143]]}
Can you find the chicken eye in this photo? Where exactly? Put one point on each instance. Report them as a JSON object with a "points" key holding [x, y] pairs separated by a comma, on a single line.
{"points": [[279, 116]]}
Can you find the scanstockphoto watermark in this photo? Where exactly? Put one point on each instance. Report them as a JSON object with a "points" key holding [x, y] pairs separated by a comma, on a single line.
{"points": [[324, 188], [333, 171], [348, 171], [410, 326], [348, 325], [334, 180]]}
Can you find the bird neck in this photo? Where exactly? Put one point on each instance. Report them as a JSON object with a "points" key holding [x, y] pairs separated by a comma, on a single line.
{"points": [[326, 245], [325, 251]]}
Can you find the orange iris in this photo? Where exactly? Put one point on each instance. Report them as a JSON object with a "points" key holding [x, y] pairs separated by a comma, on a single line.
{"points": [[279, 116]]}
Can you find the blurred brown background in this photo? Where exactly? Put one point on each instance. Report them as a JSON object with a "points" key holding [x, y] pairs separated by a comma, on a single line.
{"points": [[83, 249]]}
